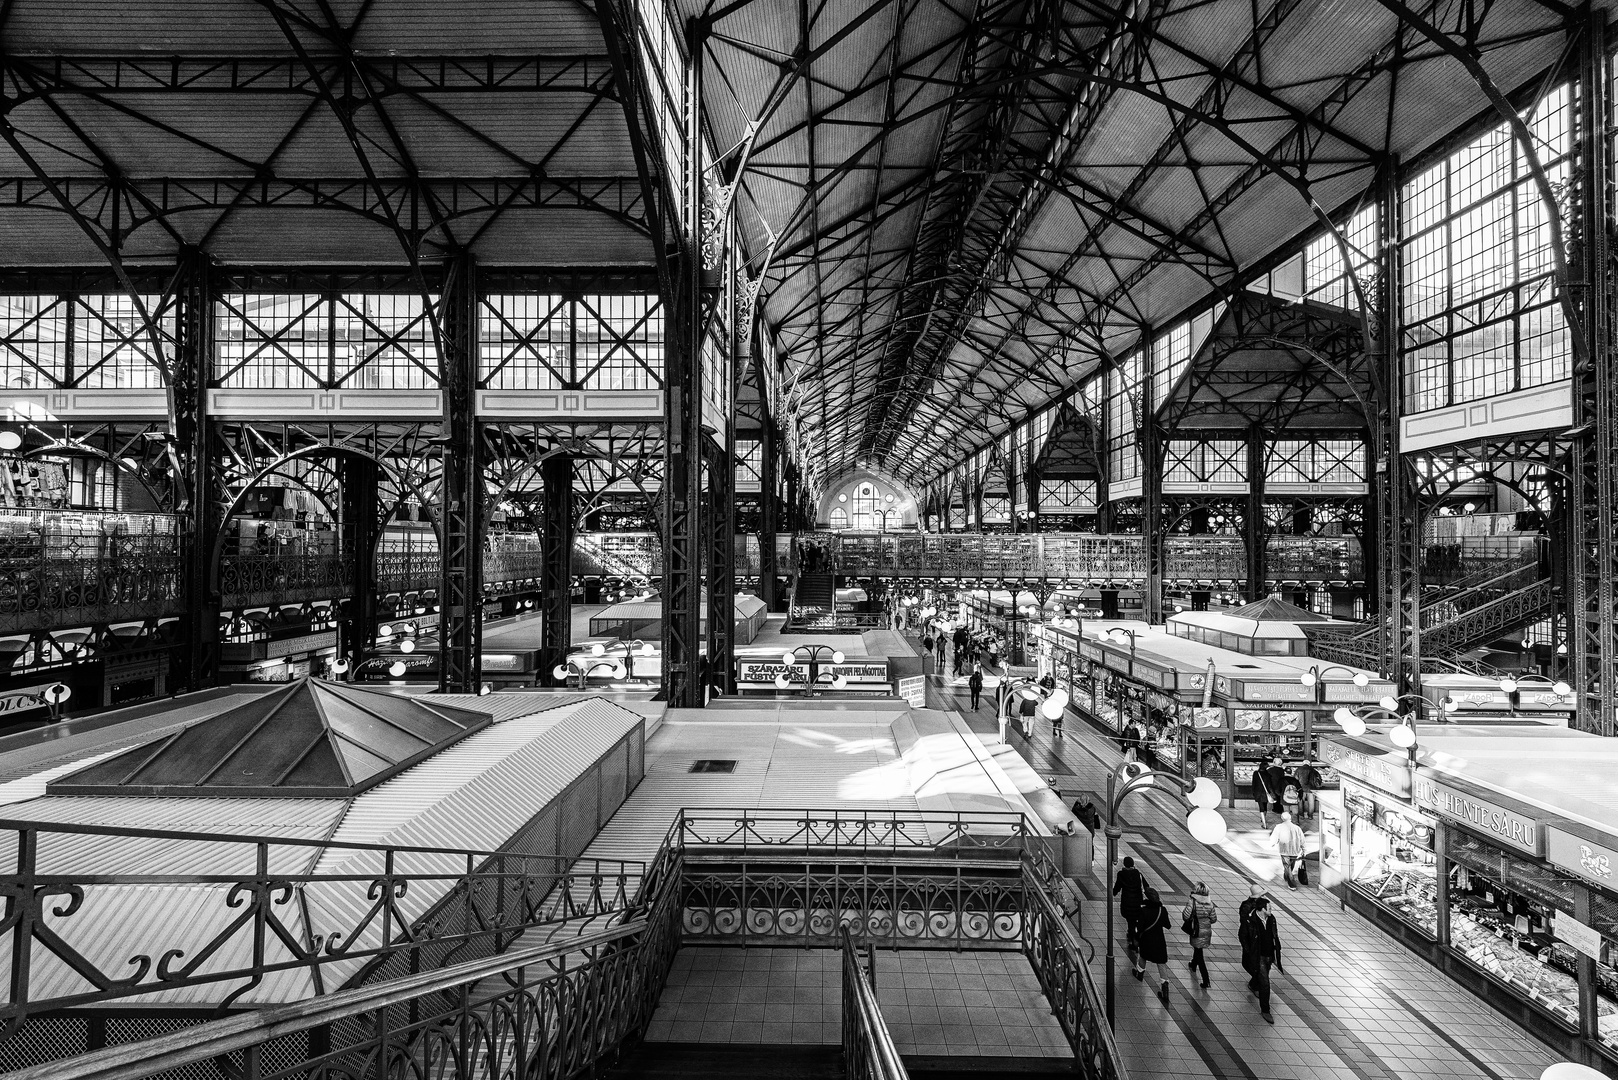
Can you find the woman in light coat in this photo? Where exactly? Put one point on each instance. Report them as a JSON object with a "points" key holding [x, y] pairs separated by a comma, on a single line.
{"points": [[1201, 914]]}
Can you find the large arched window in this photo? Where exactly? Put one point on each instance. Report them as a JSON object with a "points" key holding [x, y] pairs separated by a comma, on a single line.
{"points": [[867, 507], [839, 518]]}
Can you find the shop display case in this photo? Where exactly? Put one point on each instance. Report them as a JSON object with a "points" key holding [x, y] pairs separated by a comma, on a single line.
{"points": [[1503, 910], [1391, 858]]}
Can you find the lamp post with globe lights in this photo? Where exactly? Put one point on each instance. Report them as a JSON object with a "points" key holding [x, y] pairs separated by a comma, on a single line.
{"points": [[632, 647], [1315, 677], [812, 654], [1513, 686], [586, 666], [1120, 635], [1200, 796], [1403, 734], [1052, 702]]}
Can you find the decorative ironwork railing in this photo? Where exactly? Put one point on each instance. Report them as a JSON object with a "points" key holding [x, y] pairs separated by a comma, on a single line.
{"points": [[259, 920], [64, 568], [546, 1011], [249, 580], [868, 1049], [1053, 952], [556, 1009], [1079, 557], [795, 833], [1482, 624]]}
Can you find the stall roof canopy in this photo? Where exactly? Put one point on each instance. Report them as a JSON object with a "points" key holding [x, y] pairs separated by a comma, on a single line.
{"points": [[314, 739]]}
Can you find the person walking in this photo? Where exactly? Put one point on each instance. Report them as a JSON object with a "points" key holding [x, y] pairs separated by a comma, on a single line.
{"points": [[1267, 781], [1288, 841], [1310, 783], [1261, 950], [1056, 724], [1150, 923], [960, 640], [943, 644], [1197, 921], [1129, 886], [975, 684]]}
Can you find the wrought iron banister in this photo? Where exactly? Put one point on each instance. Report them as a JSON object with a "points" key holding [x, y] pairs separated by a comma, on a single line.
{"points": [[409, 1040], [869, 1052], [262, 918], [1482, 624], [1053, 952]]}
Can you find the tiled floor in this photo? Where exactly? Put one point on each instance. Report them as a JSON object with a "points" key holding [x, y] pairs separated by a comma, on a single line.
{"points": [[1351, 1004], [936, 1004]]}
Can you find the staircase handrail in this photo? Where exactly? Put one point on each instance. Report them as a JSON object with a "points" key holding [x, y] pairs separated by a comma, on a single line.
{"points": [[1053, 951], [1487, 615], [1490, 573], [213, 1039], [869, 1052]]}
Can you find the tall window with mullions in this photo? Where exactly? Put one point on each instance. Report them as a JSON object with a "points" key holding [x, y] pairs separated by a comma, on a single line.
{"points": [[1480, 313]]}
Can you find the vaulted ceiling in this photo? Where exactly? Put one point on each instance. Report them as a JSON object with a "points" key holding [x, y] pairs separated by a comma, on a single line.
{"points": [[961, 209]]}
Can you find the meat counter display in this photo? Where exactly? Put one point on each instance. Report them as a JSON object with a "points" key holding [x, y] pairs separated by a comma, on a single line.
{"points": [[1503, 912], [1391, 858]]}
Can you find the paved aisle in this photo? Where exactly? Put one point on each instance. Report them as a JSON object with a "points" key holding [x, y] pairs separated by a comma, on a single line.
{"points": [[1353, 1004]]}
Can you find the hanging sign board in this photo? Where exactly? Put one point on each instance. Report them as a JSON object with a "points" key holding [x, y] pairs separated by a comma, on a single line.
{"points": [[1378, 772]]}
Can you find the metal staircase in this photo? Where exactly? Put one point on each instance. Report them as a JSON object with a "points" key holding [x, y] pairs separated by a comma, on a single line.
{"points": [[814, 603], [1456, 618]]}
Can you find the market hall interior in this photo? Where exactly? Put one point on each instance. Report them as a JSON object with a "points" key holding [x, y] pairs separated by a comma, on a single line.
{"points": [[730, 538]]}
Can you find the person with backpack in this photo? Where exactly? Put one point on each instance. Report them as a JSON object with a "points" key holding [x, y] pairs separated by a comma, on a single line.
{"points": [[1151, 921], [1129, 886], [1310, 784], [974, 684], [1261, 950], [1197, 921]]}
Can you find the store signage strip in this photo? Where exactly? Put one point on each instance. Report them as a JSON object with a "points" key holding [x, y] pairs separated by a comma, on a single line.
{"points": [[1491, 819], [1589, 860], [1377, 772]]}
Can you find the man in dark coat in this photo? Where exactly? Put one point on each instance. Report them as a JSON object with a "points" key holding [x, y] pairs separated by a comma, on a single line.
{"points": [[974, 684], [1261, 950]]}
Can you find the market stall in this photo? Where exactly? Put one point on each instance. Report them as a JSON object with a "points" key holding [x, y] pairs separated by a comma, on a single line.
{"points": [[1200, 709], [1496, 858]]}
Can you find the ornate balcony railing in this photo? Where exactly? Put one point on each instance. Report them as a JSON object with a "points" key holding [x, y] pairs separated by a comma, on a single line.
{"points": [[61, 568], [259, 925], [1080, 558], [286, 578], [868, 1049]]}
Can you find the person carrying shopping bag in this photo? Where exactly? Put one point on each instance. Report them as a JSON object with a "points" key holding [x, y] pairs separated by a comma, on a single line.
{"points": [[1197, 920]]}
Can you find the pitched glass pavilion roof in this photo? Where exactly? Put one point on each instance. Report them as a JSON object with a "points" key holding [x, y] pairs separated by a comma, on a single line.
{"points": [[314, 739]]}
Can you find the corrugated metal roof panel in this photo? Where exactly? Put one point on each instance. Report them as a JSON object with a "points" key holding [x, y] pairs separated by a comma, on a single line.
{"points": [[477, 794], [75, 853]]}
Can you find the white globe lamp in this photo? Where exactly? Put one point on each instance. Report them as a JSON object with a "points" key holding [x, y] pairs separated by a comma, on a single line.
{"points": [[1205, 794], [1206, 826], [1403, 736]]}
